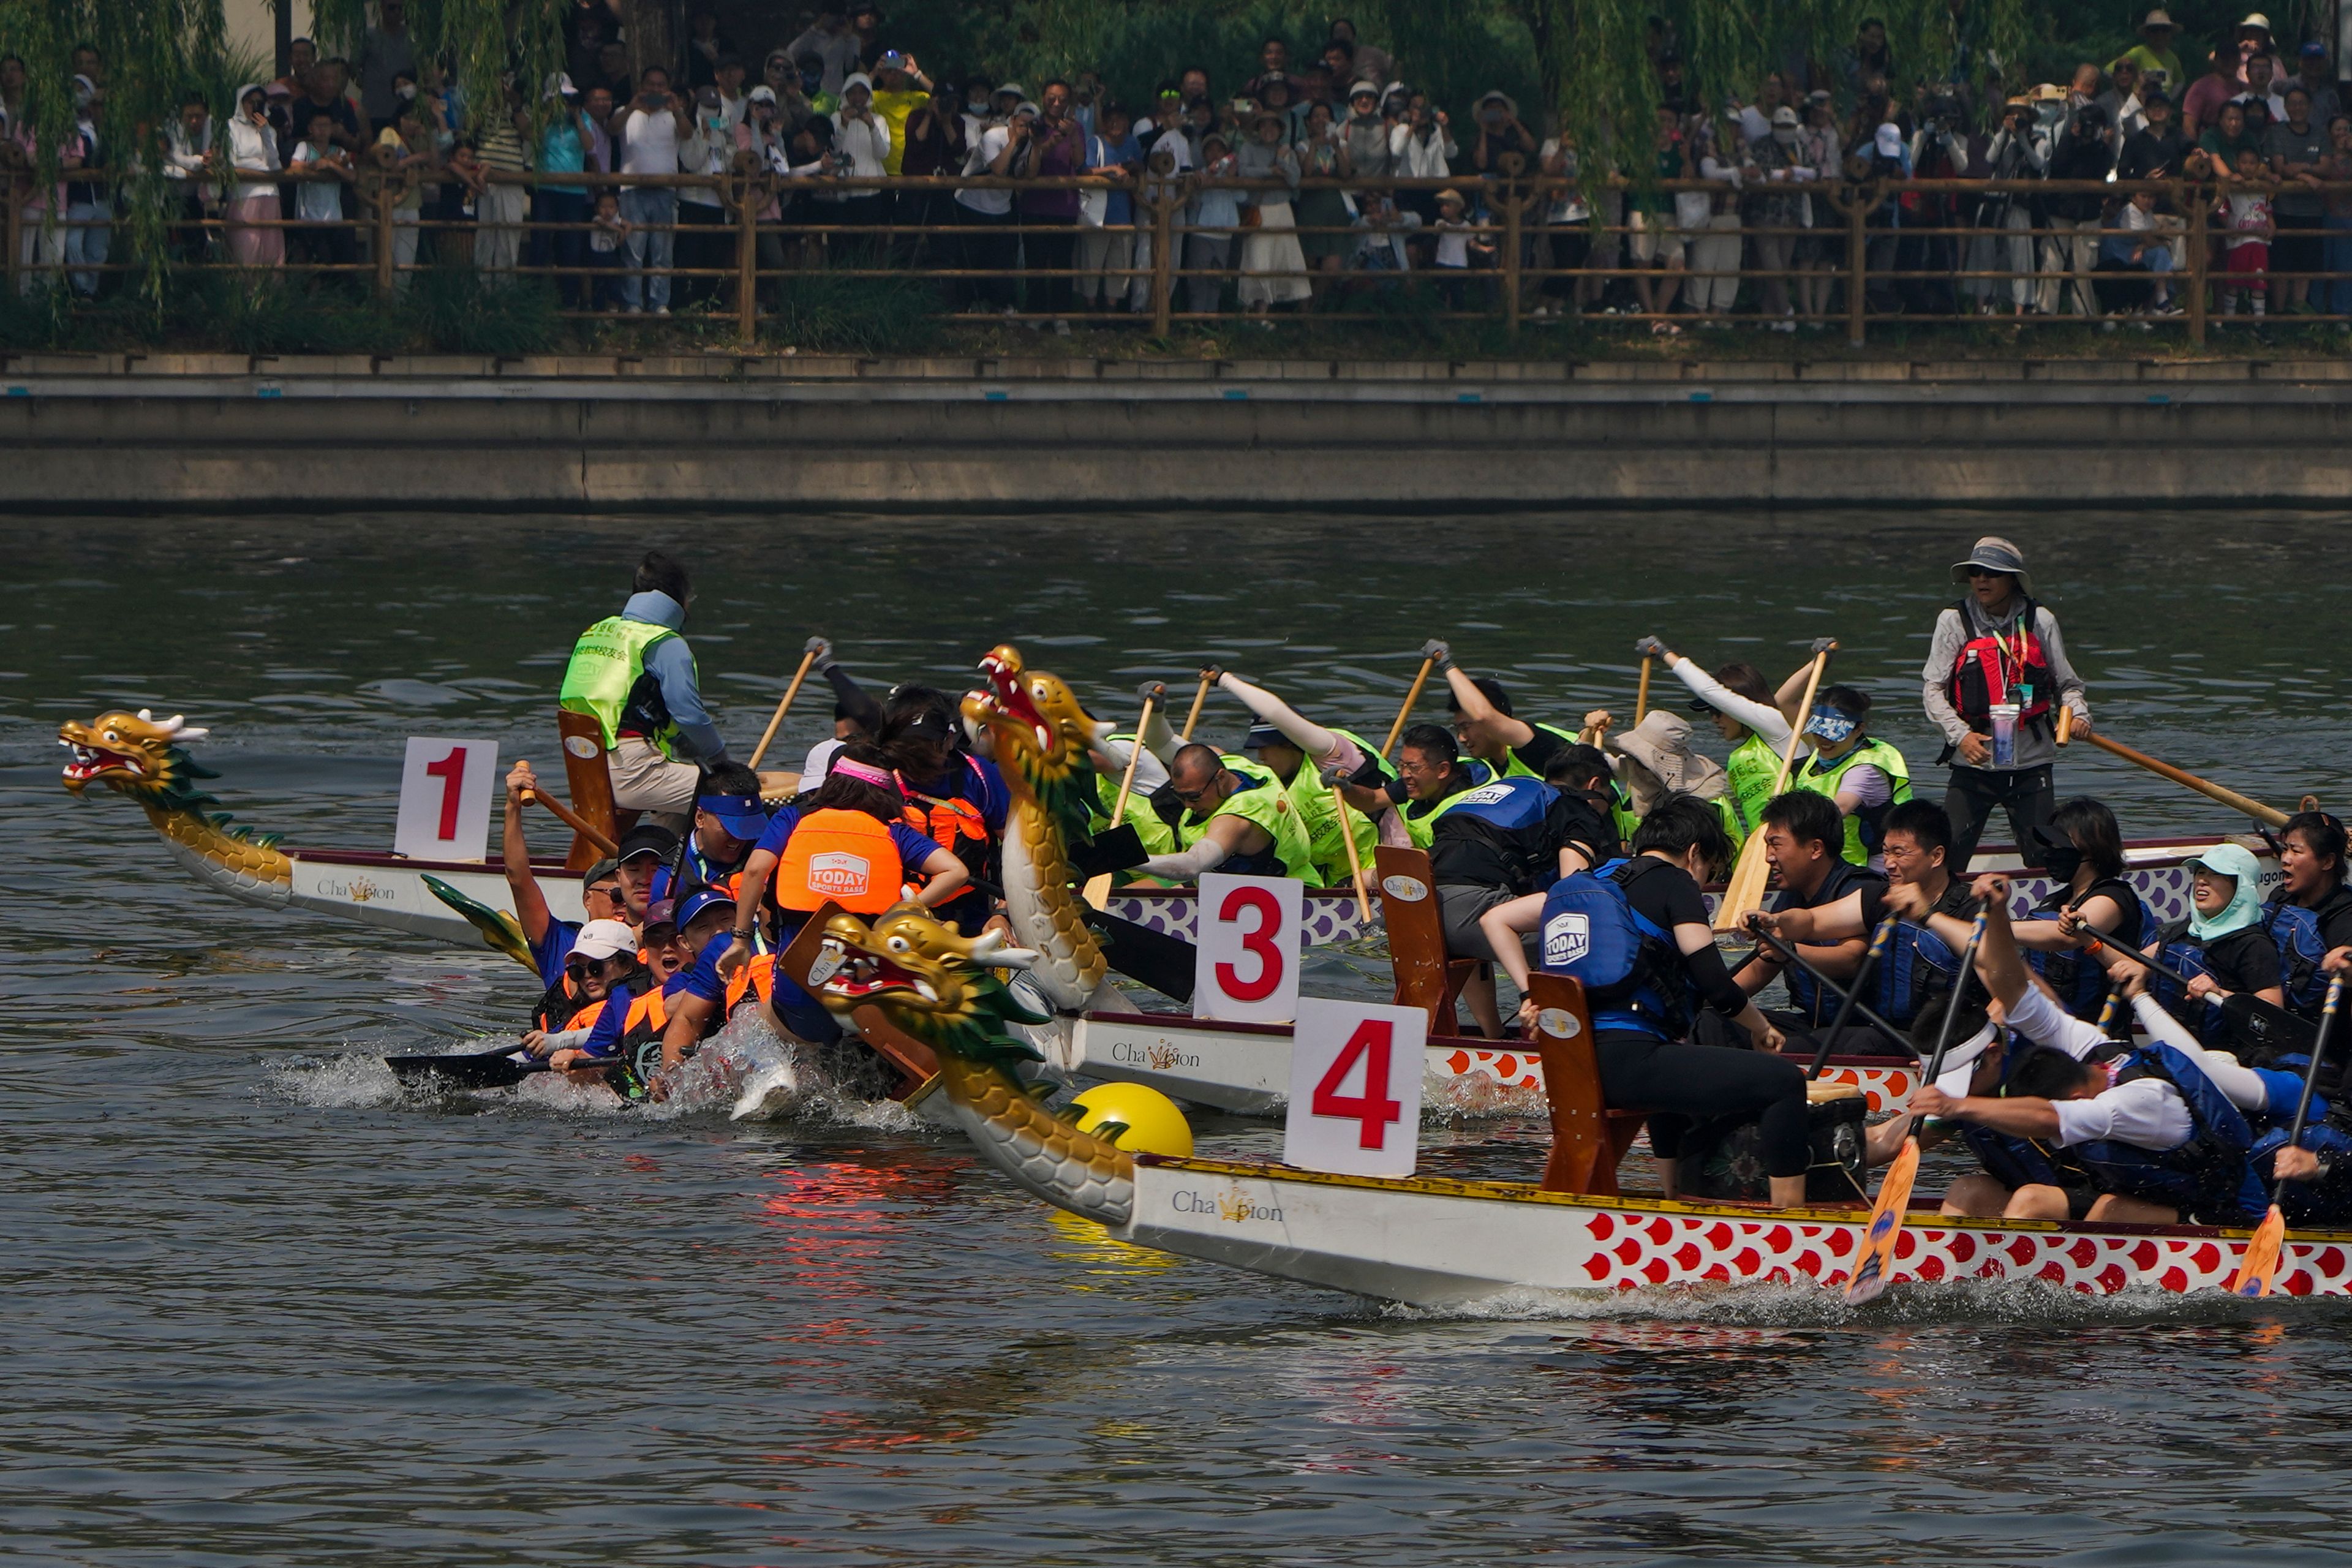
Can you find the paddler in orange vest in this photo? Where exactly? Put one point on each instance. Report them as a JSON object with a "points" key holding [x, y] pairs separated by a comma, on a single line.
{"points": [[605, 969], [849, 843], [1995, 677]]}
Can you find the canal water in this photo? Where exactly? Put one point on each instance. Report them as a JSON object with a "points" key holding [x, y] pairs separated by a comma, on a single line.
{"points": [[263, 1309]]}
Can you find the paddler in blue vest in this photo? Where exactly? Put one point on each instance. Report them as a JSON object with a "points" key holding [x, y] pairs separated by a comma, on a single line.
{"points": [[634, 674], [2310, 916], [2160, 1130], [1917, 966], [1804, 838], [1245, 826], [1998, 646], [602, 894], [729, 818], [2219, 948], [1491, 839], [1855, 768]]}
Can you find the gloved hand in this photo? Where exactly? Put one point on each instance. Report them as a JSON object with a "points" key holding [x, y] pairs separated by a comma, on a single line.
{"points": [[822, 648], [1650, 648], [1212, 673], [1157, 691], [1824, 644], [1440, 650]]}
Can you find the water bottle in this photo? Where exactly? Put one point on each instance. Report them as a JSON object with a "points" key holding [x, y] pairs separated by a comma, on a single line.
{"points": [[2004, 734]]}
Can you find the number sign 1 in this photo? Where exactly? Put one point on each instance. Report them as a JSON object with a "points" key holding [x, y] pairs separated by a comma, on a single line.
{"points": [[445, 799], [1355, 1088], [1245, 963]]}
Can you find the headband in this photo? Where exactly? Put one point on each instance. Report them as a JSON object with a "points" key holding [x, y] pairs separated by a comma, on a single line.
{"points": [[865, 771]]}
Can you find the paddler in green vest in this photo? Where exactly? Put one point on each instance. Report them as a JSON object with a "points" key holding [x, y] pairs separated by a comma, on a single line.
{"points": [[1110, 752], [1484, 724], [1300, 753], [1748, 714], [1655, 759], [1862, 773], [1238, 819], [636, 675]]}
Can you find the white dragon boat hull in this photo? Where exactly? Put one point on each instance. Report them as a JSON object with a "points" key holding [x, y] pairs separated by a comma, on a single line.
{"points": [[1243, 1069], [1429, 1242]]}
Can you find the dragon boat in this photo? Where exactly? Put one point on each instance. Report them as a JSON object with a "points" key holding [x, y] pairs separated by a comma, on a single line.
{"points": [[1433, 1241]]}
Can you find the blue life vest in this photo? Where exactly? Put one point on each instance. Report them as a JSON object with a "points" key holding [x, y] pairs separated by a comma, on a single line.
{"points": [[1808, 996], [2016, 1162], [1918, 967], [1592, 932], [2210, 1176], [2307, 1203], [1510, 814], [2078, 978], [2301, 947], [2180, 960]]}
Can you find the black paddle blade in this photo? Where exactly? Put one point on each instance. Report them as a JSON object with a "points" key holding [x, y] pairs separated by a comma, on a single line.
{"points": [[2270, 1031], [477, 1069], [1112, 849], [1162, 962]]}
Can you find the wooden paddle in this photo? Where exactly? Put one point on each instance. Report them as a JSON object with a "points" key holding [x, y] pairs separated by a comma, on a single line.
{"points": [[1869, 1279], [2206, 787], [2259, 1268], [775, 720], [1744, 894], [572, 820], [1355, 858], [1642, 691], [1412, 696], [1097, 888], [1193, 719]]}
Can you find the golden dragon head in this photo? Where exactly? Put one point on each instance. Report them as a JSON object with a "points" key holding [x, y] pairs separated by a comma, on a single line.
{"points": [[137, 753], [1041, 734], [935, 984]]}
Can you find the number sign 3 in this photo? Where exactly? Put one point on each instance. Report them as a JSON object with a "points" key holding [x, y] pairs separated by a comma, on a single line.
{"points": [[445, 799], [1246, 963], [1355, 1088]]}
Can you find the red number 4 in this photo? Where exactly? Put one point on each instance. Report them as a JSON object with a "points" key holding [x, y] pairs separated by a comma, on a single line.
{"points": [[451, 770], [1373, 1108]]}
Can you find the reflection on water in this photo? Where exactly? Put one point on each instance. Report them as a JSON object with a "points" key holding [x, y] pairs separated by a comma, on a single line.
{"points": [[264, 1307]]}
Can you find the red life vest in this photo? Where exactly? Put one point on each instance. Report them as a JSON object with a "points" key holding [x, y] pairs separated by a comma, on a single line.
{"points": [[1992, 669], [847, 857]]}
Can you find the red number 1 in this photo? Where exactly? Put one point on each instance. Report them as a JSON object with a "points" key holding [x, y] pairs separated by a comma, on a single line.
{"points": [[451, 770], [1260, 942], [1373, 1108]]}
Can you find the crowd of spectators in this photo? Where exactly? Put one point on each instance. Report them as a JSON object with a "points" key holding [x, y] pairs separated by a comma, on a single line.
{"points": [[1063, 180]]}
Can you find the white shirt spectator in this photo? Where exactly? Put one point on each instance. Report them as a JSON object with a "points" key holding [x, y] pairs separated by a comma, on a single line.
{"points": [[867, 144], [649, 143], [1415, 157], [253, 149], [985, 153]]}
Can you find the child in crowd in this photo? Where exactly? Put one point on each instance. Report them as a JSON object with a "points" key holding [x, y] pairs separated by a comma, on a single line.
{"points": [[2131, 244], [606, 241], [2245, 212], [319, 198], [1458, 250]]}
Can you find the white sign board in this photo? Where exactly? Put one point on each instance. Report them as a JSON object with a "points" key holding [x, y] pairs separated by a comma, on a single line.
{"points": [[445, 799], [1355, 1088], [1245, 956]]}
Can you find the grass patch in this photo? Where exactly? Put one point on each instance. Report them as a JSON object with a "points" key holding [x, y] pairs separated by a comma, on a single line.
{"points": [[455, 310], [827, 313]]}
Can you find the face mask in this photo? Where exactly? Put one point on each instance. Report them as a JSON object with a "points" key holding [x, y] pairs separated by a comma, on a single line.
{"points": [[1786, 135], [405, 91], [2062, 860]]}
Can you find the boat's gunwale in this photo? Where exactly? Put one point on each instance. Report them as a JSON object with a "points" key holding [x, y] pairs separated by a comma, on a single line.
{"points": [[1857, 1216], [1435, 1042]]}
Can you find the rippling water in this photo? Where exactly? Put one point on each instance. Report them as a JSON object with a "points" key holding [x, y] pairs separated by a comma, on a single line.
{"points": [[263, 1309]]}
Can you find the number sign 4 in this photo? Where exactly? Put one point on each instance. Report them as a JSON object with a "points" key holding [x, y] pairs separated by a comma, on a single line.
{"points": [[445, 799], [1247, 960], [1355, 1088]]}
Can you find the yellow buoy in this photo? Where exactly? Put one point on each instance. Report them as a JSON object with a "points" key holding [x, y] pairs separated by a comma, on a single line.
{"points": [[1147, 1121]]}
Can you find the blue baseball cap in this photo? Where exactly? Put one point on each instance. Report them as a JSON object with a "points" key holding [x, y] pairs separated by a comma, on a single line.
{"points": [[743, 815], [701, 898]]}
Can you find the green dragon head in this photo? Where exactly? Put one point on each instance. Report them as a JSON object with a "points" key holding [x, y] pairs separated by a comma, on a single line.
{"points": [[1041, 734], [934, 983]]}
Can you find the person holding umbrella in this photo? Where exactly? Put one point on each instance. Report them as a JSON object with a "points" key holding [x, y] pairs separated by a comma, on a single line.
{"points": [[1995, 678]]}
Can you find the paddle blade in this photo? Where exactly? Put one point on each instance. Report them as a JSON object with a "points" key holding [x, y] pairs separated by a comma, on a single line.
{"points": [[500, 931], [1744, 894], [494, 1068], [2260, 1268], [1870, 1277]]}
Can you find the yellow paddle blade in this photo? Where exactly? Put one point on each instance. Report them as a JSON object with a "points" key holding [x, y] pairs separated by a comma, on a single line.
{"points": [[2260, 1266], [1870, 1273], [1744, 894]]}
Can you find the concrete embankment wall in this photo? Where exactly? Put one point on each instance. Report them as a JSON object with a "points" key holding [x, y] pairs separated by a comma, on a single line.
{"points": [[209, 432]]}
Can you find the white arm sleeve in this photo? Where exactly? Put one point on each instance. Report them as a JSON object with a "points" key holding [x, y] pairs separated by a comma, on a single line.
{"points": [[1760, 717], [570, 1040], [1186, 865], [2040, 1019], [1157, 738], [1312, 739], [2243, 1086], [1150, 774]]}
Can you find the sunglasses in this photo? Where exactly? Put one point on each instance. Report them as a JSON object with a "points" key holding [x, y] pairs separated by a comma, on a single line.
{"points": [[1193, 796], [609, 891], [582, 968]]}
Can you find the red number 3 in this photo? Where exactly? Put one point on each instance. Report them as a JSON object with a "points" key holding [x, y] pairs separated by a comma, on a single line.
{"points": [[1259, 942], [1373, 1109]]}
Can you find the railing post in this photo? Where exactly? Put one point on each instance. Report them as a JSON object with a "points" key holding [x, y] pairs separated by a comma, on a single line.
{"points": [[1164, 263], [378, 192], [747, 259], [2197, 253], [1858, 205], [1511, 163]]}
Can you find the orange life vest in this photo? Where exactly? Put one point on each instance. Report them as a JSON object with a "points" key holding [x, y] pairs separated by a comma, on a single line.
{"points": [[583, 1019], [649, 1015], [755, 978], [847, 857]]}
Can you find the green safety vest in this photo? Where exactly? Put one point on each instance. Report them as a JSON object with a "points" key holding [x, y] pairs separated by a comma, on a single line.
{"points": [[1156, 836], [1861, 836], [1421, 816], [1323, 819], [1752, 769], [1268, 805], [606, 663], [1515, 769]]}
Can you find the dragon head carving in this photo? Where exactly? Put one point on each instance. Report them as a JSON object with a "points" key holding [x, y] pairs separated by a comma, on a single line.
{"points": [[935, 984], [137, 753], [1041, 735]]}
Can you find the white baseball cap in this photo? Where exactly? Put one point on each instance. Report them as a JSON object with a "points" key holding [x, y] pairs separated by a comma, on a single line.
{"points": [[1961, 1062], [601, 939]]}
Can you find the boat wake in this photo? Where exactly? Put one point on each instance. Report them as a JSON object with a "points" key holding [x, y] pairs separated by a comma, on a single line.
{"points": [[743, 1074]]}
